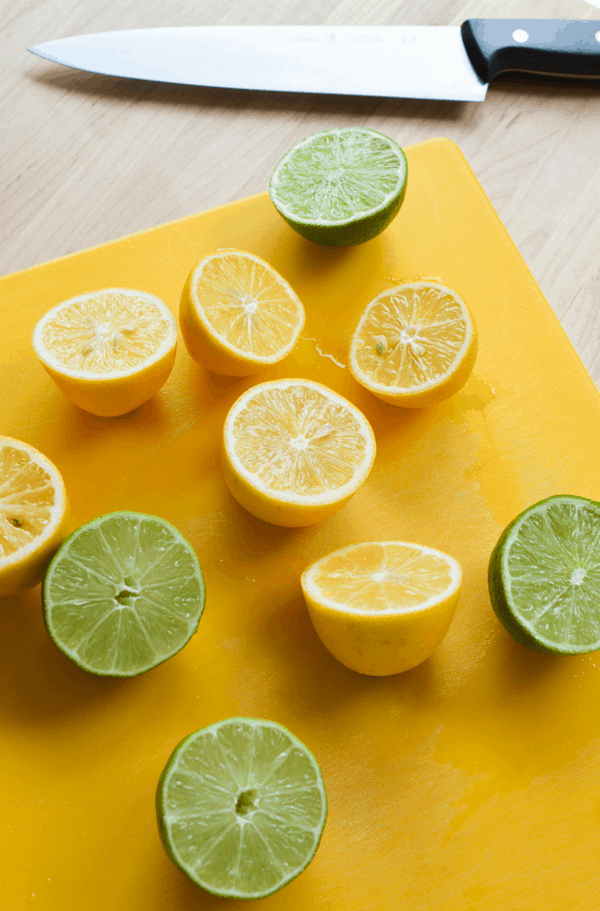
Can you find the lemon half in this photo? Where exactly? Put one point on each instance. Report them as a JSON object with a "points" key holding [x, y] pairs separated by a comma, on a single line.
{"points": [[414, 345], [382, 607], [294, 451], [34, 515], [108, 351], [238, 315]]}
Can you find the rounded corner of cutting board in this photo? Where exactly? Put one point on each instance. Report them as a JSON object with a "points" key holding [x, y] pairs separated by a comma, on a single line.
{"points": [[437, 144]]}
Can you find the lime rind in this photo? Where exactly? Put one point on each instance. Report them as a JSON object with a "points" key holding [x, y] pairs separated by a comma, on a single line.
{"points": [[544, 576], [340, 187], [241, 807], [123, 593]]}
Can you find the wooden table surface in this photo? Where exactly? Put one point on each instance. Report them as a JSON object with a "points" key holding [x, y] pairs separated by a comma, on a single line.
{"points": [[86, 159]]}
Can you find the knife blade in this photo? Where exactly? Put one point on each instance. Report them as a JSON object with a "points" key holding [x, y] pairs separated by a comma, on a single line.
{"points": [[436, 62]]}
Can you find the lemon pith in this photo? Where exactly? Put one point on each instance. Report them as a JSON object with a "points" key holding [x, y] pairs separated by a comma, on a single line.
{"points": [[295, 451], [238, 315], [382, 607], [33, 515], [108, 351], [414, 345]]}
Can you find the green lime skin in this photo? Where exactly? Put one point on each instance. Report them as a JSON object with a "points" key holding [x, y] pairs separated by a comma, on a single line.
{"points": [[556, 561], [175, 789], [325, 181], [87, 585]]}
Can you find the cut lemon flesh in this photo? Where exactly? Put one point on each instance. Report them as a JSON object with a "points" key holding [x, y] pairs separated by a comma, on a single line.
{"points": [[108, 351], [414, 345], [238, 315], [110, 331], [241, 806], [27, 498], [391, 576], [33, 515], [382, 607], [295, 451]]}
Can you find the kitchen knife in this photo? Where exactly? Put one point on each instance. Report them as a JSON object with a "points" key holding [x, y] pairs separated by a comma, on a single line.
{"points": [[438, 62]]}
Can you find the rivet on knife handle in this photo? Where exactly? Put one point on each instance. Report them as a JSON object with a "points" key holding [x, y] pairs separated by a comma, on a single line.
{"points": [[553, 47]]}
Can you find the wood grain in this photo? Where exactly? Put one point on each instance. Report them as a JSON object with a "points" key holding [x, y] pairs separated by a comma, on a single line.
{"points": [[85, 159]]}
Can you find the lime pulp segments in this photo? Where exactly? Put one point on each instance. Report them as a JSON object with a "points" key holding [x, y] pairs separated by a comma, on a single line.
{"points": [[122, 594], [340, 187], [544, 576], [241, 806]]}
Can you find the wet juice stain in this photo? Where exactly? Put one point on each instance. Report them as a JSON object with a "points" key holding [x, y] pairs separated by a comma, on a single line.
{"points": [[495, 470]]}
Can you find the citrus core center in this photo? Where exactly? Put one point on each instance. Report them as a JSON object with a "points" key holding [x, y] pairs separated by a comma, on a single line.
{"points": [[246, 802], [128, 592]]}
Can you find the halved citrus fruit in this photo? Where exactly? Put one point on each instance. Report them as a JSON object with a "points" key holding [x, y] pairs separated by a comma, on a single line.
{"points": [[414, 345], [544, 576], [382, 607], [238, 315], [294, 451], [340, 187], [241, 807], [122, 594], [108, 351], [34, 515]]}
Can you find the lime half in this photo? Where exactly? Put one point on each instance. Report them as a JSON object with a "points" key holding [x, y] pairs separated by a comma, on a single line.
{"points": [[544, 576], [241, 806], [122, 594], [340, 187]]}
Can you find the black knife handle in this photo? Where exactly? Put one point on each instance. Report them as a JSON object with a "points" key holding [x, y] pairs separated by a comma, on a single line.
{"points": [[553, 47]]}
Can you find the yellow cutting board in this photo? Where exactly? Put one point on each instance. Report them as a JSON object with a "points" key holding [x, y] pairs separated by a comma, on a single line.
{"points": [[471, 782]]}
